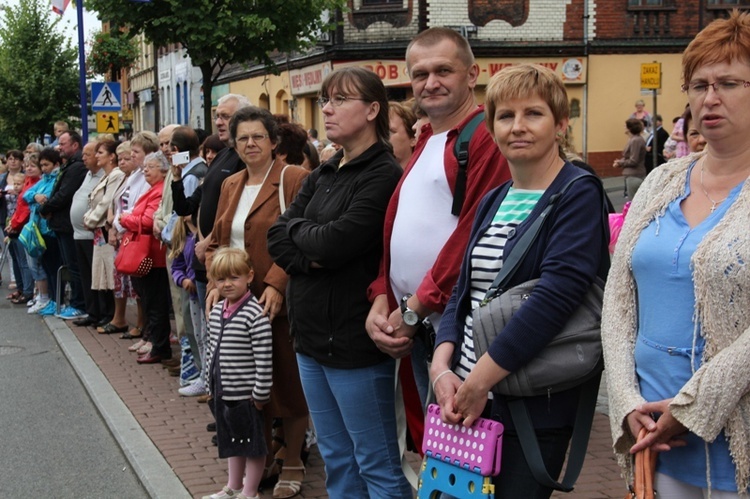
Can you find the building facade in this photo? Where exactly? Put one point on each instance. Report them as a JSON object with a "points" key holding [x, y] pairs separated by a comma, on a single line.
{"points": [[141, 91], [596, 46], [180, 93]]}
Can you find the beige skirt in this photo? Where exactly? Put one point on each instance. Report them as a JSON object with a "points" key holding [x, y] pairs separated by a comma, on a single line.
{"points": [[103, 267]]}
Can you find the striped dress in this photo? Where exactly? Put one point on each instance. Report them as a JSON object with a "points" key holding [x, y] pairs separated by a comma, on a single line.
{"points": [[486, 261], [239, 352]]}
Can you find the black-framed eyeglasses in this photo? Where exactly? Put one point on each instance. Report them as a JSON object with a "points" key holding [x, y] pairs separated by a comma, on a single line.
{"points": [[336, 100], [722, 87]]}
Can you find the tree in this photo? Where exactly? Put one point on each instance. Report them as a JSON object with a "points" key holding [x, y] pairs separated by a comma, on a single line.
{"points": [[110, 53], [217, 33], [38, 72]]}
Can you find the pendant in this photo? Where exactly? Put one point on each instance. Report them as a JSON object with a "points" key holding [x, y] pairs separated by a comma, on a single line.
{"points": [[713, 207]]}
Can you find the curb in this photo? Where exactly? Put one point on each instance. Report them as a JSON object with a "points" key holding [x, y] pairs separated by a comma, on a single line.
{"points": [[149, 465]]}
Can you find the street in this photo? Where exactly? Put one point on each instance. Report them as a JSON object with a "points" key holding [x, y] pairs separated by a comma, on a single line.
{"points": [[54, 443]]}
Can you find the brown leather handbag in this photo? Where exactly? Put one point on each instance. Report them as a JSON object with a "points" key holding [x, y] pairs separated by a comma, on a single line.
{"points": [[643, 472]]}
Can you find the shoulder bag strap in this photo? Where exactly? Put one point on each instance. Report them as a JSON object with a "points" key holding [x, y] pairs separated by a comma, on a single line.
{"points": [[461, 151], [282, 199], [521, 248], [578, 443]]}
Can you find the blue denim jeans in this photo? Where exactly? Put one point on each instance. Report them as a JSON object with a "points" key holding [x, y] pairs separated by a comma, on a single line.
{"points": [[355, 419], [21, 270]]}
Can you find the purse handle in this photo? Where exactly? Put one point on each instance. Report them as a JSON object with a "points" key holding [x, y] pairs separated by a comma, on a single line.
{"points": [[521, 249]]}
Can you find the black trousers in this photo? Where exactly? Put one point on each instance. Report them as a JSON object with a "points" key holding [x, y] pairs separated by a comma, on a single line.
{"points": [[100, 304], [153, 289]]}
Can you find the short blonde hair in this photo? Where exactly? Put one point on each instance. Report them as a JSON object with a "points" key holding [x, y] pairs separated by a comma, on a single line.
{"points": [[523, 81], [228, 262]]}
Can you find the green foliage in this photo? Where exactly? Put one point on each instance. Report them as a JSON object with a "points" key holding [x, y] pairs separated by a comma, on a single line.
{"points": [[38, 72], [221, 32], [110, 52]]}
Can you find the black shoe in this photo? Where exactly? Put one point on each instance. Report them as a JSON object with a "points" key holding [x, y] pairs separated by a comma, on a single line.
{"points": [[103, 322], [211, 426], [214, 441], [87, 321]]}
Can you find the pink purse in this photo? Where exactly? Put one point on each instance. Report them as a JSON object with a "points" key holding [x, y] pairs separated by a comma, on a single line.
{"points": [[477, 448]]}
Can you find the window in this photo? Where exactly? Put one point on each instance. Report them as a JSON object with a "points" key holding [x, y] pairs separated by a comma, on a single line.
{"points": [[377, 3], [645, 3]]}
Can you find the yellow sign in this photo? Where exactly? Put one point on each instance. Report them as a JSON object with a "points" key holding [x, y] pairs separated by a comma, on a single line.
{"points": [[651, 76], [108, 122]]}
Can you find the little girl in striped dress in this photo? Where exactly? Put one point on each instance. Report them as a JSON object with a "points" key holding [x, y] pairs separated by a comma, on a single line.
{"points": [[238, 357]]}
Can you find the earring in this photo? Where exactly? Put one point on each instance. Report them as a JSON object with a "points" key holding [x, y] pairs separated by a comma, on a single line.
{"points": [[248, 285]]}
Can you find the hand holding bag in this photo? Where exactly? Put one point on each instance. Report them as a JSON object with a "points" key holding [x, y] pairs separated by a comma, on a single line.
{"points": [[133, 256], [643, 472]]}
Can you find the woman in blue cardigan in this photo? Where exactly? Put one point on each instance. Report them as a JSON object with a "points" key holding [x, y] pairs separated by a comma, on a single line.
{"points": [[527, 113]]}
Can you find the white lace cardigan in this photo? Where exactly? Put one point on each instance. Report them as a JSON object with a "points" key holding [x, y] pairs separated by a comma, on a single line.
{"points": [[716, 396]]}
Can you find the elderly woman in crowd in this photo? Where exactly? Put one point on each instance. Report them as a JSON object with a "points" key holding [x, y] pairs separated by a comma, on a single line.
{"points": [[633, 161], [329, 241], [95, 219], [527, 113], [676, 319], [248, 206], [123, 286], [135, 185], [154, 286], [696, 142]]}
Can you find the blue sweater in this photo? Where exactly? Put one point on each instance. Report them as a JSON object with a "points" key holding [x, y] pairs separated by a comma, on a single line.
{"points": [[569, 252]]}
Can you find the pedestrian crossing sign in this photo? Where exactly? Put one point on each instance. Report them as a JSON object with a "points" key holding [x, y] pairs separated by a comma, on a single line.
{"points": [[106, 96], [108, 123]]}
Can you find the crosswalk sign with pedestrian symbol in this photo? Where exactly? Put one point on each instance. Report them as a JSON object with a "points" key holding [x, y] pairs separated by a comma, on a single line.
{"points": [[106, 96], [108, 123]]}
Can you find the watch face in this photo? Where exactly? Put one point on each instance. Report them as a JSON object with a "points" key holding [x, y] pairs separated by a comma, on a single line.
{"points": [[411, 318]]}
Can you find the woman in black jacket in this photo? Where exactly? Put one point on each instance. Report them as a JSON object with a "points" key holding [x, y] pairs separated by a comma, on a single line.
{"points": [[329, 241]]}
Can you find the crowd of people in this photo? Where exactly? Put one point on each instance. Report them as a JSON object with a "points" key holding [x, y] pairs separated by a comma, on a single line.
{"points": [[335, 288]]}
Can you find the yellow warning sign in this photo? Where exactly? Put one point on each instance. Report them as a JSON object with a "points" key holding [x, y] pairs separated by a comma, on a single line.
{"points": [[651, 76], [108, 122]]}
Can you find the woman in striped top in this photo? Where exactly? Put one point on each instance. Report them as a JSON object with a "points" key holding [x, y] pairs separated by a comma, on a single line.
{"points": [[238, 356], [527, 113]]}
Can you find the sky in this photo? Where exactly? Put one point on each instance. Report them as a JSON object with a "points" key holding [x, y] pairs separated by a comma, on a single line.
{"points": [[70, 22]]}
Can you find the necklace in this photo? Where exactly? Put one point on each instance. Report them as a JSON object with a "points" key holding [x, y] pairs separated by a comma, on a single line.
{"points": [[714, 204]]}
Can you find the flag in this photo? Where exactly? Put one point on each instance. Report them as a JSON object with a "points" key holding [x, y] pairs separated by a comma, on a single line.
{"points": [[59, 6]]}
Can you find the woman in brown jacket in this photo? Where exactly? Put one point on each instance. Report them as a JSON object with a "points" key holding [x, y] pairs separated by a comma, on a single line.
{"points": [[248, 206]]}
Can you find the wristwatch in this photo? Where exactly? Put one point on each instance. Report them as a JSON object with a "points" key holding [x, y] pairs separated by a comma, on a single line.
{"points": [[411, 318]]}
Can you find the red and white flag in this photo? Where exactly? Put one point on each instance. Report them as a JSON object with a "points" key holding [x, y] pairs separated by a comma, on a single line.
{"points": [[59, 6]]}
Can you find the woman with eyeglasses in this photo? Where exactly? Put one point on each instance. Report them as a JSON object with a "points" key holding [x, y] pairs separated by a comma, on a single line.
{"points": [[248, 205], [329, 241], [676, 319]]}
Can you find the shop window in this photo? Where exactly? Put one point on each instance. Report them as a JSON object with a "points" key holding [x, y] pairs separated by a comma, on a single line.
{"points": [[397, 13], [728, 4]]}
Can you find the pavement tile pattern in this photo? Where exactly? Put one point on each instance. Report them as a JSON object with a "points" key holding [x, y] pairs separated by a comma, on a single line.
{"points": [[177, 427]]}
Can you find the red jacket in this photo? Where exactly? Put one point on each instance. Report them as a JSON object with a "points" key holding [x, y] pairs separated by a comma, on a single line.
{"points": [[143, 217], [23, 212], [487, 169]]}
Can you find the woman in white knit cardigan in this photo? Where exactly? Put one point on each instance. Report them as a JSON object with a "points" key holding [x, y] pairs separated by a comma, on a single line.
{"points": [[676, 320]]}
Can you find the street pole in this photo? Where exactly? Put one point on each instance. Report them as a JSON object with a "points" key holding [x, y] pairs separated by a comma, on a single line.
{"points": [[654, 140], [82, 75]]}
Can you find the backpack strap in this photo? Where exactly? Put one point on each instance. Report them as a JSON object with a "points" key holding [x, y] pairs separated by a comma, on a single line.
{"points": [[461, 152]]}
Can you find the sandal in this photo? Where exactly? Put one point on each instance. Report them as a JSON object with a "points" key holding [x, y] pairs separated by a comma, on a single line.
{"points": [[137, 345], [110, 328], [145, 348], [285, 489], [13, 295], [136, 332], [21, 299]]}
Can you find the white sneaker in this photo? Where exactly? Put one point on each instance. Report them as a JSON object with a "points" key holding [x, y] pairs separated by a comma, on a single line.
{"points": [[36, 307], [194, 389], [224, 493]]}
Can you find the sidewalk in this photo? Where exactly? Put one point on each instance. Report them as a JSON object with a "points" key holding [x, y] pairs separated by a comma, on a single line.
{"points": [[165, 438]]}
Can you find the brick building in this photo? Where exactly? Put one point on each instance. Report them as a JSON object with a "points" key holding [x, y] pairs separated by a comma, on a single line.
{"points": [[596, 46]]}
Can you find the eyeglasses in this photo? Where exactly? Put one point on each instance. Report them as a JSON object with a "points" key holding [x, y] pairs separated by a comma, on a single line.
{"points": [[722, 87], [336, 100], [256, 138], [223, 117]]}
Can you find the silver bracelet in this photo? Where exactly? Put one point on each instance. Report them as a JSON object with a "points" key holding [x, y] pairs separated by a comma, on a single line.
{"points": [[437, 378]]}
